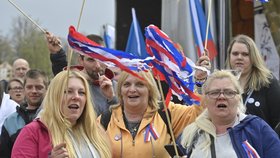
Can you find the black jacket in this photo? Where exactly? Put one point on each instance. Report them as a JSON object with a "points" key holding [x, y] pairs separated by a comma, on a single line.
{"points": [[265, 103]]}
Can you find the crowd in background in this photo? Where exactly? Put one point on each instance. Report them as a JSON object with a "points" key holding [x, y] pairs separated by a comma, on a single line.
{"points": [[89, 110]]}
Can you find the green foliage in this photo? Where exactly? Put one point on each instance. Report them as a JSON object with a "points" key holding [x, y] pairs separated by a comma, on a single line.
{"points": [[30, 43], [6, 50]]}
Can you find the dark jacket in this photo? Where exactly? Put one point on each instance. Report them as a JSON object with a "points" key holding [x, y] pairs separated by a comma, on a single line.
{"points": [[58, 61], [265, 103], [11, 128]]}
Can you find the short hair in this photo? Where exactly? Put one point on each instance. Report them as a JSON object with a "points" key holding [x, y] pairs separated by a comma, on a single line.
{"points": [[35, 74], [260, 74], [95, 38], [203, 121], [220, 74], [14, 80], [154, 95]]}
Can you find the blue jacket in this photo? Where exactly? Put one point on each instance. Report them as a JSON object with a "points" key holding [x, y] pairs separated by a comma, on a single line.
{"points": [[259, 135]]}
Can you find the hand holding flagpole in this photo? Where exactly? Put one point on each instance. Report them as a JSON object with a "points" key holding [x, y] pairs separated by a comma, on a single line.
{"points": [[29, 18]]}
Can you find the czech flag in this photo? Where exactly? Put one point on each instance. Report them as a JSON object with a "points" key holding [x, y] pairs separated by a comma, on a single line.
{"points": [[199, 24]]}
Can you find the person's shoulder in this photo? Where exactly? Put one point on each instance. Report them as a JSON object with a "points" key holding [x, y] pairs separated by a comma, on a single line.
{"points": [[7, 102], [252, 120], [35, 125], [274, 81], [12, 117]]}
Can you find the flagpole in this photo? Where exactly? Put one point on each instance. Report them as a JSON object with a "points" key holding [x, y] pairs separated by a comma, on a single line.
{"points": [[70, 53], [28, 17], [78, 25], [167, 117], [207, 26]]}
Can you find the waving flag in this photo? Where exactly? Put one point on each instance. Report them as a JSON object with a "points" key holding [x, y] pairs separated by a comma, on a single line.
{"points": [[262, 1], [123, 60], [199, 27], [109, 36], [135, 43], [170, 64]]}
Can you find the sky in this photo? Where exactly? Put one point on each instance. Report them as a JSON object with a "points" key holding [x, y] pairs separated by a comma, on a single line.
{"points": [[57, 15]]}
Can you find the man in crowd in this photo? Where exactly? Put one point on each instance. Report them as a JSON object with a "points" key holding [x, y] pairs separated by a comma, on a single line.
{"points": [[20, 67], [100, 78], [35, 87]]}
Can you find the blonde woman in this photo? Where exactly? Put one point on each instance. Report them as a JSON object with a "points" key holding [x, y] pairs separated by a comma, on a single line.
{"points": [[66, 126], [223, 129], [136, 127], [261, 88]]}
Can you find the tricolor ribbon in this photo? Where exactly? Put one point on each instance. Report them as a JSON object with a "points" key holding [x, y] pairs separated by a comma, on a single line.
{"points": [[262, 1], [150, 132], [250, 151]]}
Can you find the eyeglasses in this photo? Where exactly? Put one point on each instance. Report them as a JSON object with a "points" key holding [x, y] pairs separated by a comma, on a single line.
{"points": [[16, 89], [216, 93]]}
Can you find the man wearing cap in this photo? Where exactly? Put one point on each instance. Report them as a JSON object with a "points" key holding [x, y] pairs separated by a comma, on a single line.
{"points": [[100, 78]]}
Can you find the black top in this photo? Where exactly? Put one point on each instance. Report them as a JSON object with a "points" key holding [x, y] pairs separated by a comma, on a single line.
{"points": [[265, 103]]}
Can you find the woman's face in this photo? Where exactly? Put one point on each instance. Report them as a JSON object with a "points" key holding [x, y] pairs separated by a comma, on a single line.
{"points": [[222, 106], [16, 92], [74, 100], [135, 92], [239, 58]]}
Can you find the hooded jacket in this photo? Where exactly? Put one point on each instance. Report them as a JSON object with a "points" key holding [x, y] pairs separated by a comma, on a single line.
{"points": [[258, 134]]}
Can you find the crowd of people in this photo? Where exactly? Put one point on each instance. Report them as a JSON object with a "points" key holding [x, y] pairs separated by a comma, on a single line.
{"points": [[85, 112]]}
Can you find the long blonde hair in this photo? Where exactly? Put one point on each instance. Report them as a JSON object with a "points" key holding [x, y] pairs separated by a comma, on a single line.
{"points": [[260, 75], [154, 95], [58, 125], [203, 125]]}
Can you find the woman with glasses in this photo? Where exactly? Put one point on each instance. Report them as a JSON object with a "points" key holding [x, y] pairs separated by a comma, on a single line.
{"points": [[223, 129], [15, 89]]}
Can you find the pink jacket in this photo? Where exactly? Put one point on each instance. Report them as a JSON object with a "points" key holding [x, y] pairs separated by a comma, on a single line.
{"points": [[33, 141]]}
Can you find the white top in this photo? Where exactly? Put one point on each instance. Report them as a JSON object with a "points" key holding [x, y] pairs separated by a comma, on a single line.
{"points": [[8, 106], [223, 145]]}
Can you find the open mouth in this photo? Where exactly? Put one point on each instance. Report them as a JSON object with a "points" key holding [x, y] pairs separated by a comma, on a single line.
{"points": [[239, 64], [73, 106], [132, 97], [222, 106]]}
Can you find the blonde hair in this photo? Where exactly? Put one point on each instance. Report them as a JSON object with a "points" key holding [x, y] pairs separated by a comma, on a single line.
{"points": [[154, 95], [58, 125], [260, 74], [203, 125]]}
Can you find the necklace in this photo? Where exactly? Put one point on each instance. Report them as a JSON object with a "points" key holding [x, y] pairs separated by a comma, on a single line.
{"points": [[131, 126]]}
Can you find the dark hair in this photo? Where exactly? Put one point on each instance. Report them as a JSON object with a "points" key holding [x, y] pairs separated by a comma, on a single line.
{"points": [[36, 73], [95, 38]]}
